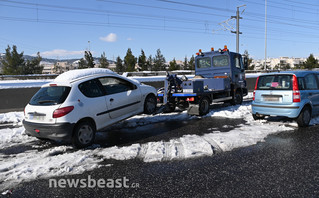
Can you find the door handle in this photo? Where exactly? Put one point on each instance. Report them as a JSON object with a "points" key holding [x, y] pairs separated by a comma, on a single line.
{"points": [[111, 100]]}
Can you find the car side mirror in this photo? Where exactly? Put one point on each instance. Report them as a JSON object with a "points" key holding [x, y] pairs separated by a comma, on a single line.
{"points": [[245, 61]]}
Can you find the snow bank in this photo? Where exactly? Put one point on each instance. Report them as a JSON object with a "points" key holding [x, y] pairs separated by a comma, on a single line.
{"points": [[15, 117]]}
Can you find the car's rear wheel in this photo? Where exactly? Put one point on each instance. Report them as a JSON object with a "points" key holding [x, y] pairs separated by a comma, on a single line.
{"points": [[84, 135], [304, 117], [258, 117], [150, 104]]}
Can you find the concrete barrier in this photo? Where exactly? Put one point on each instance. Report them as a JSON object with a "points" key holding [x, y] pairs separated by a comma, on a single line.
{"points": [[16, 99]]}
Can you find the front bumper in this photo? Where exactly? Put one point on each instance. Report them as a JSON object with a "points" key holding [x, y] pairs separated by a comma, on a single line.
{"points": [[59, 131]]}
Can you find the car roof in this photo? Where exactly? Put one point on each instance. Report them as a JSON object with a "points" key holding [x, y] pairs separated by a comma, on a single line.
{"points": [[79, 74], [298, 73]]}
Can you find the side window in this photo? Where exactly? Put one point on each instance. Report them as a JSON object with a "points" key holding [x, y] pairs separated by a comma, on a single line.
{"points": [[237, 61], [311, 82], [91, 89], [116, 85], [220, 61], [301, 83]]}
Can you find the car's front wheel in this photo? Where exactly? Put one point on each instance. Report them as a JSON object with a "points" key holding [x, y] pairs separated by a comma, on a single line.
{"points": [[84, 135], [304, 117], [150, 104]]}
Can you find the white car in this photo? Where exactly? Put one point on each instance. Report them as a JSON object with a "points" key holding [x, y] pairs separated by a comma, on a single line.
{"points": [[80, 102]]}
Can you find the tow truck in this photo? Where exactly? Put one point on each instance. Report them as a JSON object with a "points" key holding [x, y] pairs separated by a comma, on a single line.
{"points": [[219, 77]]}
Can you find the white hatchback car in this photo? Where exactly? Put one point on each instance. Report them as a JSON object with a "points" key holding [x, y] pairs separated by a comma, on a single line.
{"points": [[80, 102]]}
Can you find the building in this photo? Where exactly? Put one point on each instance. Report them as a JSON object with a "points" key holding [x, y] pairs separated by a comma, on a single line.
{"points": [[277, 63], [47, 67]]}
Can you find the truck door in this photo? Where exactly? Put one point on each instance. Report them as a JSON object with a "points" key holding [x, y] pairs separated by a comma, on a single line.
{"points": [[237, 66]]}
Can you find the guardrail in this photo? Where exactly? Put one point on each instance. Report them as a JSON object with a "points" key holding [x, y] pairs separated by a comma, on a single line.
{"points": [[16, 99]]}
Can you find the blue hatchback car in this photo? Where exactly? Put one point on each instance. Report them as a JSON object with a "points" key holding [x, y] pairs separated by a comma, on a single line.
{"points": [[293, 94]]}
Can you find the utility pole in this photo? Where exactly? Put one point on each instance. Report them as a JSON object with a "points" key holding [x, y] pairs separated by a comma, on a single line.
{"points": [[237, 32], [265, 65]]}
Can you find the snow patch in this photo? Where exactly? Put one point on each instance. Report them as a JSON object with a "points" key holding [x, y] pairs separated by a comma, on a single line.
{"points": [[15, 117]]}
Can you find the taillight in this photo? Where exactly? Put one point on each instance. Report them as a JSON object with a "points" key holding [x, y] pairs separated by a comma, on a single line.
{"points": [[191, 99], [255, 87], [62, 111], [295, 90]]}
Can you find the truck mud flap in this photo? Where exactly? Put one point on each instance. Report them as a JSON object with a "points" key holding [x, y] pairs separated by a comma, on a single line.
{"points": [[193, 109]]}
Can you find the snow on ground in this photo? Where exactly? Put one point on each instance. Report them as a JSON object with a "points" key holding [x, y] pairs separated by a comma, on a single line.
{"points": [[41, 162]]}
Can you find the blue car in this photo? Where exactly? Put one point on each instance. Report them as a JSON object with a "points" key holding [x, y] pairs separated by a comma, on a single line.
{"points": [[293, 94]]}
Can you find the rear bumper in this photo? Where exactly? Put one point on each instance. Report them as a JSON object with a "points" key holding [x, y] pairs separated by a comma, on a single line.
{"points": [[60, 131], [291, 111]]}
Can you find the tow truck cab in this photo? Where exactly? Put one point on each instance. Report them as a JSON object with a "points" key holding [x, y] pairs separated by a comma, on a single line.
{"points": [[221, 64], [219, 77]]}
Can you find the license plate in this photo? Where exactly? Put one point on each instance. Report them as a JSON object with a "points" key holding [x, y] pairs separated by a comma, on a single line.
{"points": [[36, 117], [271, 98]]}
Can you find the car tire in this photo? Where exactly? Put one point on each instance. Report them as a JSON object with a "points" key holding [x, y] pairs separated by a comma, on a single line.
{"points": [[150, 104], [258, 117], [84, 135], [203, 106], [304, 117], [237, 98]]}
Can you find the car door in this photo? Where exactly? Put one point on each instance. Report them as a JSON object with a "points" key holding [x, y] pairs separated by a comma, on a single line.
{"points": [[94, 104], [312, 91], [123, 98]]}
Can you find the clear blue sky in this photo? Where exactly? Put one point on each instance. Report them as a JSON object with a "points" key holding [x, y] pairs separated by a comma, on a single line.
{"points": [[64, 29]]}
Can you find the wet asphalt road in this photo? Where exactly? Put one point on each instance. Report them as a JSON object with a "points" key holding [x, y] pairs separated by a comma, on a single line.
{"points": [[285, 165]]}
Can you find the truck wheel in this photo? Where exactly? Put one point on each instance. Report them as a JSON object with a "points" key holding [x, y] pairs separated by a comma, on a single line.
{"points": [[204, 106], [238, 98], [150, 104], [84, 135], [304, 117], [170, 107]]}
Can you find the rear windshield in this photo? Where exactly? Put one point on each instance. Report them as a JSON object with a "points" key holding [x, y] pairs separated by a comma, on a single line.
{"points": [[50, 96], [275, 82]]}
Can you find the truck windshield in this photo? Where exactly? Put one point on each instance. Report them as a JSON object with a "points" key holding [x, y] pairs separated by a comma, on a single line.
{"points": [[50, 96], [204, 62], [275, 82], [220, 61]]}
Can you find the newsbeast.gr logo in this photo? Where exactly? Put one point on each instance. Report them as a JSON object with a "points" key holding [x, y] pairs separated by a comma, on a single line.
{"points": [[92, 183]]}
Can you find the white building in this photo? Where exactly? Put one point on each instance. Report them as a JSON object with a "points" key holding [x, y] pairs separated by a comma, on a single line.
{"points": [[275, 63], [47, 67]]}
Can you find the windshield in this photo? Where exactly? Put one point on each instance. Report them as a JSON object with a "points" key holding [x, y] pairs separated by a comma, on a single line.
{"points": [[275, 82], [220, 61], [50, 96], [204, 62]]}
